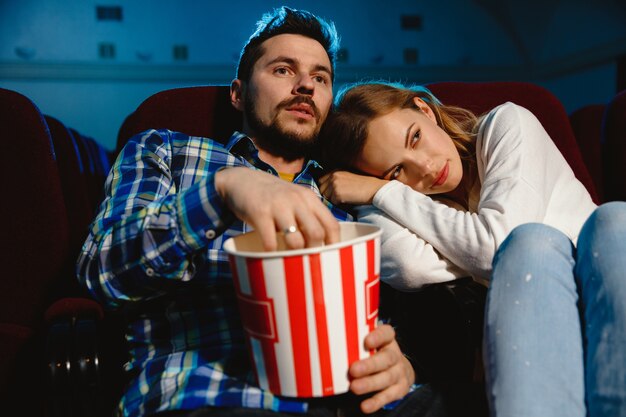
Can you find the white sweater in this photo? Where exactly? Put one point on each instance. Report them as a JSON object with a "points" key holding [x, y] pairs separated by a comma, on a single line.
{"points": [[523, 178]]}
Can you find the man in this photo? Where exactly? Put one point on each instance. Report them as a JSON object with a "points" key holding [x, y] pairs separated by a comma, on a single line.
{"points": [[172, 200]]}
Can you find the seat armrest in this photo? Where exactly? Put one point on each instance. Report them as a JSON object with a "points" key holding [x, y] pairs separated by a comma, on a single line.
{"points": [[72, 357]]}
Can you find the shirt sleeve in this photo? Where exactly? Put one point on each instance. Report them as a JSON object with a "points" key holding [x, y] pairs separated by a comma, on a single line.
{"points": [[431, 237], [152, 229]]}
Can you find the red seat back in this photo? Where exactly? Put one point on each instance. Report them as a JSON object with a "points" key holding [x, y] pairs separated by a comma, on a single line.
{"points": [[80, 211], [482, 97], [96, 163], [197, 111], [614, 148], [35, 236], [587, 125]]}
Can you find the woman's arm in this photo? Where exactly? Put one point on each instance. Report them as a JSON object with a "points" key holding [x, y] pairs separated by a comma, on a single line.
{"points": [[408, 261]]}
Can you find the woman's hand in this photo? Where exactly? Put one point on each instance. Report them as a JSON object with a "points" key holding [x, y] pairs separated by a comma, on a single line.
{"points": [[343, 187], [387, 373]]}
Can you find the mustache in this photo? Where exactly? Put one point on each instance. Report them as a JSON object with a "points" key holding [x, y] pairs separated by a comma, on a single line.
{"points": [[300, 100]]}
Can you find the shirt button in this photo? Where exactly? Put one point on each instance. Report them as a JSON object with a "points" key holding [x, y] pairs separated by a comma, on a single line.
{"points": [[150, 272], [210, 234]]}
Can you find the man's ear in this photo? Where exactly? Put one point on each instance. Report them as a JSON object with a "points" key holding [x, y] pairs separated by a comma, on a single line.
{"points": [[425, 108], [236, 94]]}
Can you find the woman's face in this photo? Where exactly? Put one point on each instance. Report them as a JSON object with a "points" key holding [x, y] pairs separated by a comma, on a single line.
{"points": [[407, 145]]}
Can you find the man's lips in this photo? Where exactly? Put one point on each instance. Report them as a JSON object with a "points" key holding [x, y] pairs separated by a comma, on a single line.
{"points": [[442, 177], [303, 110]]}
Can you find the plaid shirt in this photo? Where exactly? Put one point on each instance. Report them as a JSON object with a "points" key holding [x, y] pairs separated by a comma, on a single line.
{"points": [[155, 250]]}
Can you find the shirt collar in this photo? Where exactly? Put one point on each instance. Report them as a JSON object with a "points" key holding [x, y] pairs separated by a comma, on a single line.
{"points": [[241, 145]]}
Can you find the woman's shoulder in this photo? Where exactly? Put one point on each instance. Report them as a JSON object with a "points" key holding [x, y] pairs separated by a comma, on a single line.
{"points": [[503, 130], [507, 119], [509, 112]]}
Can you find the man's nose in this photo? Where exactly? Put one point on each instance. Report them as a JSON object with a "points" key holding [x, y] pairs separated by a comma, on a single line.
{"points": [[304, 85]]}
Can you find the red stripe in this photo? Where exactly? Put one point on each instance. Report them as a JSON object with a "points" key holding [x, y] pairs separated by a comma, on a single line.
{"points": [[235, 273], [257, 286], [349, 303], [372, 290], [296, 299], [321, 324]]}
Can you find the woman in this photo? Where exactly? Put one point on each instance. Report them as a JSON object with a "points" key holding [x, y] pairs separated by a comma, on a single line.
{"points": [[448, 188]]}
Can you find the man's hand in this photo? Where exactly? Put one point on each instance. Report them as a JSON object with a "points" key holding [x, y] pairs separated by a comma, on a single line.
{"points": [[387, 372], [271, 205], [343, 187]]}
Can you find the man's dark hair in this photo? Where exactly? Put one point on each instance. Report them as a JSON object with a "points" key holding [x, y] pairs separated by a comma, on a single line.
{"points": [[285, 20]]}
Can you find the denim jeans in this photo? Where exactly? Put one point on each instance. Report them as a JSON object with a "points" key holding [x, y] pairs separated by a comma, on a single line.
{"points": [[555, 321]]}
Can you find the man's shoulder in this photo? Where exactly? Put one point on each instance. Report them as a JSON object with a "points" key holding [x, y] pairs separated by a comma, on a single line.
{"points": [[174, 143], [166, 136]]}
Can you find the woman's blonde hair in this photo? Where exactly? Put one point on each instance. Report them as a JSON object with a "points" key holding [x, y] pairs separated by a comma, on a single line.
{"points": [[345, 131]]}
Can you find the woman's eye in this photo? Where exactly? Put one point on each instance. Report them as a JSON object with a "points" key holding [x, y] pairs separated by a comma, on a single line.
{"points": [[416, 137], [396, 172]]}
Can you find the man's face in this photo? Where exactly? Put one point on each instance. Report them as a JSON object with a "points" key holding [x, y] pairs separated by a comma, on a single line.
{"points": [[288, 96]]}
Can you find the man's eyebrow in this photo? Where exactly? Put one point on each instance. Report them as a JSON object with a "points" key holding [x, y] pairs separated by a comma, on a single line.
{"points": [[323, 68], [284, 59], [293, 61]]}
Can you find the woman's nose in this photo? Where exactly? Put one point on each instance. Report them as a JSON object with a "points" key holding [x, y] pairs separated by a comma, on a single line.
{"points": [[422, 167]]}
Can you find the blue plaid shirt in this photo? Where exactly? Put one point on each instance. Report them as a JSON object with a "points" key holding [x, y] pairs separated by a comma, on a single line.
{"points": [[155, 250]]}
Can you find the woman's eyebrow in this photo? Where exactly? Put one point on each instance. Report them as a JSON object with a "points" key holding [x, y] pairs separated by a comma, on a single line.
{"points": [[407, 141], [387, 172]]}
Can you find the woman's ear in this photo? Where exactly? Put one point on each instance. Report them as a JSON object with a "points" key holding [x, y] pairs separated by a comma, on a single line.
{"points": [[425, 108], [236, 94]]}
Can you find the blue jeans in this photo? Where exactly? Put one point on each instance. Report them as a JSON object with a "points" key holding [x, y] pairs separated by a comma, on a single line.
{"points": [[555, 321]]}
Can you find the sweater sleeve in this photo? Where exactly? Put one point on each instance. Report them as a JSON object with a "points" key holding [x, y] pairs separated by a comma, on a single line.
{"points": [[417, 262], [509, 144]]}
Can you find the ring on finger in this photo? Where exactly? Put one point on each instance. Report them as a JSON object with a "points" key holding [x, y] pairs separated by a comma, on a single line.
{"points": [[291, 229]]}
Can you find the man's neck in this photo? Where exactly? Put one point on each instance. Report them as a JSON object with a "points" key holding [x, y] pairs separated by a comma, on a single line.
{"points": [[280, 164]]}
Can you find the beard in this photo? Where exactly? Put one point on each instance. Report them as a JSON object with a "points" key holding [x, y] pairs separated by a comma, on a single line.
{"points": [[275, 138]]}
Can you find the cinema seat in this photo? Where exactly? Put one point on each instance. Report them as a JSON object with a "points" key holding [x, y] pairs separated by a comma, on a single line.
{"points": [[197, 111], [97, 163], [80, 211], [587, 126], [614, 148], [34, 245], [77, 353]]}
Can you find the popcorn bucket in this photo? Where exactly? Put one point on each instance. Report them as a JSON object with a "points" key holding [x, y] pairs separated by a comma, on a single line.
{"points": [[306, 312]]}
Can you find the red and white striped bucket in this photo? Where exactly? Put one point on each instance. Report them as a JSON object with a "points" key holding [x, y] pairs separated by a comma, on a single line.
{"points": [[306, 312]]}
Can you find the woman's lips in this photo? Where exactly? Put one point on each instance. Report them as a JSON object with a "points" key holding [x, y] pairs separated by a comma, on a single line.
{"points": [[442, 177]]}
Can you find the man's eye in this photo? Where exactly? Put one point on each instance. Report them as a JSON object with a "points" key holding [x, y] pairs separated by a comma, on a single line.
{"points": [[320, 79], [281, 71], [416, 137]]}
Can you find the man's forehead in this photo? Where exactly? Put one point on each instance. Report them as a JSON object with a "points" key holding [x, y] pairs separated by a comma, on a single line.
{"points": [[297, 48]]}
